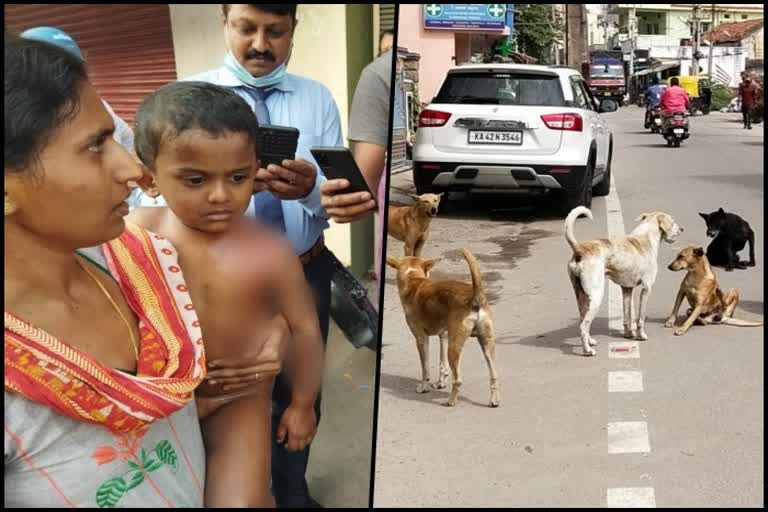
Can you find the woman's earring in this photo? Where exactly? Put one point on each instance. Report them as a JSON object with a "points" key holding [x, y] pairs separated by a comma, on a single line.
{"points": [[9, 207]]}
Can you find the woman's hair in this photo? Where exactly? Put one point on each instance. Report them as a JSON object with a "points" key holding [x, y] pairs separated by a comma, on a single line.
{"points": [[180, 106], [42, 92], [278, 9], [674, 81]]}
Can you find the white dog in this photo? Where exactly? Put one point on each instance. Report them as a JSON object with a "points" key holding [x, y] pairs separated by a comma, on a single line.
{"points": [[629, 262]]}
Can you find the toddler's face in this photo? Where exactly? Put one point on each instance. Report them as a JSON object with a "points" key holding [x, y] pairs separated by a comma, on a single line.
{"points": [[207, 181]]}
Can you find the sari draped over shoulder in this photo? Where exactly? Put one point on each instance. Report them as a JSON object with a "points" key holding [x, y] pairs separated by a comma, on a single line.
{"points": [[171, 360]]}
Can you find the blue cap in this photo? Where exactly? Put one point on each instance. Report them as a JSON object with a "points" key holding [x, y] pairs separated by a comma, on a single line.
{"points": [[54, 36]]}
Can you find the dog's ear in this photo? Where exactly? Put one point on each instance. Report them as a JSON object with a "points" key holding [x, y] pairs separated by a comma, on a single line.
{"points": [[428, 264], [721, 211], [699, 251], [414, 197], [642, 217], [665, 223], [392, 261], [440, 195], [704, 216]]}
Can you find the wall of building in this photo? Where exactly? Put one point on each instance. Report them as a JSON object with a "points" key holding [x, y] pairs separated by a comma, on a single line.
{"points": [[319, 52], [436, 47]]}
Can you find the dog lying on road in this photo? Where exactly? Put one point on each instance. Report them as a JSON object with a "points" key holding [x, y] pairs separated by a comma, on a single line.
{"points": [[629, 261], [454, 310], [731, 233], [709, 305], [410, 224]]}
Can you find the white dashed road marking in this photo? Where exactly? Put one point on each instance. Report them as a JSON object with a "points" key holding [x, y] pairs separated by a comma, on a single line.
{"points": [[631, 497], [625, 382], [625, 436], [628, 437], [623, 350]]}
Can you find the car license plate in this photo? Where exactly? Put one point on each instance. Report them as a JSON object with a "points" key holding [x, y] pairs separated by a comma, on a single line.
{"points": [[678, 131], [606, 94], [657, 121], [495, 137]]}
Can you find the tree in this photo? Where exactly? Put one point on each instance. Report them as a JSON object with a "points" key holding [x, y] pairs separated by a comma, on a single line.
{"points": [[536, 30]]}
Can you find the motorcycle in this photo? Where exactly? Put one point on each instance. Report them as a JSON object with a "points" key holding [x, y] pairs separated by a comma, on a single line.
{"points": [[674, 128], [653, 118]]}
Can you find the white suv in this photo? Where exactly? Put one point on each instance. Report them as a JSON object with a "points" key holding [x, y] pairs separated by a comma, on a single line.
{"points": [[515, 128]]}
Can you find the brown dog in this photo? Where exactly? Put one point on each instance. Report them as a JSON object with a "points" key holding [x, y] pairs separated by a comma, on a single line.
{"points": [[454, 310], [709, 305], [410, 224]]}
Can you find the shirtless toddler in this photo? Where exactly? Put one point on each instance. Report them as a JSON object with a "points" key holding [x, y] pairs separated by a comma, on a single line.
{"points": [[197, 143]]}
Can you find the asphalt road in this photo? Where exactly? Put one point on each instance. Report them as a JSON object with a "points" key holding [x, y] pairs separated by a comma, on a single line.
{"points": [[701, 404]]}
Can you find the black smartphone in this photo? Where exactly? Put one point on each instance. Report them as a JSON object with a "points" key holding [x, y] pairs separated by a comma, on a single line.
{"points": [[338, 163], [277, 143]]}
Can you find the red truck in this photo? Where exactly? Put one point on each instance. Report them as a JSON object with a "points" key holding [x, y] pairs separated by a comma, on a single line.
{"points": [[605, 74]]}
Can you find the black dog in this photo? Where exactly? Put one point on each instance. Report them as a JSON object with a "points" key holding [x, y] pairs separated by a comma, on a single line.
{"points": [[731, 233]]}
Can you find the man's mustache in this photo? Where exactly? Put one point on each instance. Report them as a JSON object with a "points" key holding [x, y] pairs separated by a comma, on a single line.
{"points": [[253, 54]]}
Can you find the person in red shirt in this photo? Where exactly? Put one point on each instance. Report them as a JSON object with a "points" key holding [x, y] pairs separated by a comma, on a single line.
{"points": [[747, 95], [674, 99]]}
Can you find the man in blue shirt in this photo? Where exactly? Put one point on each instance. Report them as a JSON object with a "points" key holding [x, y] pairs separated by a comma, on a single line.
{"points": [[652, 98], [260, 39]]}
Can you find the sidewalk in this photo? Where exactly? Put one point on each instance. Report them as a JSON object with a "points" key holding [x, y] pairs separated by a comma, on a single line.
{"points": [[340, 459]]}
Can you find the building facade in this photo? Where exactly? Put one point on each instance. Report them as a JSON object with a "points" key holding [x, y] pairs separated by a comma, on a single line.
{"points": [[442, 47]]}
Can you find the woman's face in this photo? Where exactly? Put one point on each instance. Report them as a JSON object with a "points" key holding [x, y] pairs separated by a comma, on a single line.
{"points": [[76, 197]]}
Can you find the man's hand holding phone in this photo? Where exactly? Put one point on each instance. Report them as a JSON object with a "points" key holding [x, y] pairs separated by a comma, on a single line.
{"points": [[294, 179], [344, 208]]}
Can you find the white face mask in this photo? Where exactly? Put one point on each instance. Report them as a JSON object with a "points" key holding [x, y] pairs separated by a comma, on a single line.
{"points": [[237, 69]]}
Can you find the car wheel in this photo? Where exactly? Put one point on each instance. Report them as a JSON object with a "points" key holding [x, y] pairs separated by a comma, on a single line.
{"points": [[669, 143], [604, 187], [677, 143], [582, 196]]}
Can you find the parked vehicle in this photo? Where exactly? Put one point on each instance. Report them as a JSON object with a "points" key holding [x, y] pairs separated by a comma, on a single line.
{"points": [[515, 129], [606, 74]]}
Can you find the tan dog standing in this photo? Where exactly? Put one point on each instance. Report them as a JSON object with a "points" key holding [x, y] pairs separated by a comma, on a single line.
{"points": [[709, 305], [410, 224], [629, 261], [454, 310]]}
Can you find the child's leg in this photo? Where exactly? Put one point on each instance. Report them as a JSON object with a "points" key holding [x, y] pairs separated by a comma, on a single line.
{"points": [[238, 451]]}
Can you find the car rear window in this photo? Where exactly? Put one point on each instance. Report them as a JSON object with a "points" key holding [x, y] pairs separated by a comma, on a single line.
{"points": [[524, 89]]}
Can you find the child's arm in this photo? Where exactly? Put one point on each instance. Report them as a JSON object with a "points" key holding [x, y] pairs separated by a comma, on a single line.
{"points": [[305, 358]]}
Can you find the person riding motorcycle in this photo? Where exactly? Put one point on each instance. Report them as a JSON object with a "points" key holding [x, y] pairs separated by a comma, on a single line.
{"points": [[652, 99], [674, 100]]}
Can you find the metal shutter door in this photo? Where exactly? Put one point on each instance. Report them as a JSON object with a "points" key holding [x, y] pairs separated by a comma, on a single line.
{"points": [[386, 17], [128, 47]]}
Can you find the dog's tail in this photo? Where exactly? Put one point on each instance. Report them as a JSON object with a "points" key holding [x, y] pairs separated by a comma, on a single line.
{"points": [[741, 323], [570, 220], [478, 295]]}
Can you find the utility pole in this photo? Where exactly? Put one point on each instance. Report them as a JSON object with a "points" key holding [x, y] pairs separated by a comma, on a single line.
{"points": [[711, 43], [695, 22], [632, 20], [567, 37]]}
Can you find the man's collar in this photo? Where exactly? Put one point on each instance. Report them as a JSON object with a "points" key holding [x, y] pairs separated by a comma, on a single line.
{"points": [[228, 79]]}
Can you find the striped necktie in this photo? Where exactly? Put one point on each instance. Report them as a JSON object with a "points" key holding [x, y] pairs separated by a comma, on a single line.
{"points": [[266, 206]]}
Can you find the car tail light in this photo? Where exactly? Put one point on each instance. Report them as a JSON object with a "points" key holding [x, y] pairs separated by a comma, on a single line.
{"points": [[568, 122], [560, 170], [433, 118], [431, 167]]}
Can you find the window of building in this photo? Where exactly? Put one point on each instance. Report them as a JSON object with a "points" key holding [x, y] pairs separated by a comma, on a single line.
{"points": [[727, 16], [744, 16]]}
